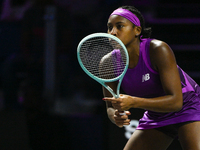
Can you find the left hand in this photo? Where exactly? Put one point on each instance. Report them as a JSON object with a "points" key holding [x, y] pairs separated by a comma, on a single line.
{"points": [[124, 102], [121, 120]]}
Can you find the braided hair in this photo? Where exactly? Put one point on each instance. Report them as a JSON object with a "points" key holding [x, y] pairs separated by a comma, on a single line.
{"points": [[146, 32]]}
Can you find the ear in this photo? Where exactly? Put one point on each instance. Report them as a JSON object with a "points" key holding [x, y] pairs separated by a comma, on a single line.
{"points": [[138, 30]]}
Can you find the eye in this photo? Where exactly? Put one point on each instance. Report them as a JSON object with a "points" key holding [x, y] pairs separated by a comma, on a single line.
{"points": [[119, 26], [110, 28]]}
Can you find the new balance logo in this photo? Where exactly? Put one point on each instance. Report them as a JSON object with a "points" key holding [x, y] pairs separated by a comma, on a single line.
{"points": [[145, 77]]}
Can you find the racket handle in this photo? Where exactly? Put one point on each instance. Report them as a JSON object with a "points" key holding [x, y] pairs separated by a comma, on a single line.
{"points": [[122, 113]]}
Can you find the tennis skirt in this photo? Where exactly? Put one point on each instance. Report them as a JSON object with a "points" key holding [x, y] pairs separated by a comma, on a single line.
{"points": [[189, 112]]}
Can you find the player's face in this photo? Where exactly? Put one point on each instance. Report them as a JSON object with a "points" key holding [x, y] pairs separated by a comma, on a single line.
{"points": [[122, 28]]}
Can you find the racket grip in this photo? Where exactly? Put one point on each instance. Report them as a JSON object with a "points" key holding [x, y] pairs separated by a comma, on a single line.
{"points": [[122, 113]]}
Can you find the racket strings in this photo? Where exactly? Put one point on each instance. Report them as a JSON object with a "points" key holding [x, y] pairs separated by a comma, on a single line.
{"points": [[103, 57]]}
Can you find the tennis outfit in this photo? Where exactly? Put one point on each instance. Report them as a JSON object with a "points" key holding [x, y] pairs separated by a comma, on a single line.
{"points": [[144, 81]]}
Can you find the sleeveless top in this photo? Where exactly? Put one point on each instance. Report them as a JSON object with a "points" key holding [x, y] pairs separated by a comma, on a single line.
{"points": [[144, 81]]}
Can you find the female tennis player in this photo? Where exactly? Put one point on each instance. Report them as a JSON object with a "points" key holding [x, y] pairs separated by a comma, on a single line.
{"points": [[156, 83]]}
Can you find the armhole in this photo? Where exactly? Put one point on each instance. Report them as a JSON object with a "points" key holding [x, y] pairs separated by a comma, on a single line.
{"points": [[146, 57]]}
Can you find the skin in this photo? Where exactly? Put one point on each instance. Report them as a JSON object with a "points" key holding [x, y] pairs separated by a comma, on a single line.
{"points": [[163, 61]]}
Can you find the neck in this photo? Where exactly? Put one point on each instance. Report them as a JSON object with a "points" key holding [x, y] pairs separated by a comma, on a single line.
{"points": [[134, 52]]}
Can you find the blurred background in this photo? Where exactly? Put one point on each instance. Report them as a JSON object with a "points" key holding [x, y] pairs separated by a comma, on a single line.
{"points": [[46, 100]]}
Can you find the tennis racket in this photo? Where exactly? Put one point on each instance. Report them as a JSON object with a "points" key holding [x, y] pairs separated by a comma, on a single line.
{"points": [[104, 58]]}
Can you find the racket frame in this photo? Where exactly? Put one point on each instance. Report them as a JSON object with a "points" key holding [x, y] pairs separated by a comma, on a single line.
{"points": [[100, 80]]}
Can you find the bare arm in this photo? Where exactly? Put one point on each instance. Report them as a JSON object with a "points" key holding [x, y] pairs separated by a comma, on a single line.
{"points": [[106, 93], [163, 60]]}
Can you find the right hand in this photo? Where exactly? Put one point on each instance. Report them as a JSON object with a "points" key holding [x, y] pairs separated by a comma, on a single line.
{"points": [[121, 120]]}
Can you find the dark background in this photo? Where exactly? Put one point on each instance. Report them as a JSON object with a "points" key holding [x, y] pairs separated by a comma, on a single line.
{"points": [[73, 115]]}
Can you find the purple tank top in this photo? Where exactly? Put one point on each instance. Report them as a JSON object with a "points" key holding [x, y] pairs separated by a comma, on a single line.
{"points": [[144, 81]]}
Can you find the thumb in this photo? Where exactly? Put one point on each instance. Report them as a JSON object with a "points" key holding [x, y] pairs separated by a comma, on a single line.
{"points": [[127, 112]]}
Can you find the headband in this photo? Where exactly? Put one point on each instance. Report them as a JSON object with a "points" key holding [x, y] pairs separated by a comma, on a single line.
{"points": [[127, 14]]}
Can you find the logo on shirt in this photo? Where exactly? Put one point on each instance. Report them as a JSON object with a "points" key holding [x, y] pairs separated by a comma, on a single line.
{"points": [[145, 77]]}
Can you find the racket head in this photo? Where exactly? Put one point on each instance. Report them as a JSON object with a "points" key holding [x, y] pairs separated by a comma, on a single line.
{"points": [[103, 57]]}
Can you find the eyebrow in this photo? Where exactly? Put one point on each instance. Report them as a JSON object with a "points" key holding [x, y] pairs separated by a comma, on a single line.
{"points": [[115, 23]]}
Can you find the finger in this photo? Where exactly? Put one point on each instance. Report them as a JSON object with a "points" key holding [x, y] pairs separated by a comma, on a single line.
{"points": [[110, 99], [121, 117], [121, 123], [127, 121], [125, 124]]}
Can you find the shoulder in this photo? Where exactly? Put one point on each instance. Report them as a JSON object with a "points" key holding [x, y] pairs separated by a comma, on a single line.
{"points": [[158, 45], [160, 52], [105, 60], [106, 57]]}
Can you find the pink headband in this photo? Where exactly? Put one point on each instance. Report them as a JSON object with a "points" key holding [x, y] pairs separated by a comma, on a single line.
{"points": [[127, 14]]}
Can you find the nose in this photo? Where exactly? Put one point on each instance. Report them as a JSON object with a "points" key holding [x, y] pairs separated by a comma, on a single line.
{"points": [[114, 31]]}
